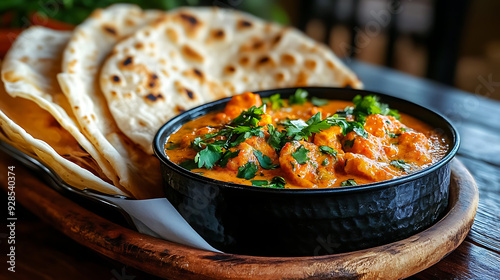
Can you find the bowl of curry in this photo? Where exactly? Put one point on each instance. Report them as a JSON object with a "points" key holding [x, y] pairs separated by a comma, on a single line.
{"points": [[307, 171]]}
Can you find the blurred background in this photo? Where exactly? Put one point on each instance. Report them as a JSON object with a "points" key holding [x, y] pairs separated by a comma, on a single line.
{"points": [[455, 42]]}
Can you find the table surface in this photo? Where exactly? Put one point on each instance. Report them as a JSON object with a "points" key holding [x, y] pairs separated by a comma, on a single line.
{"points": [[49, 254]]}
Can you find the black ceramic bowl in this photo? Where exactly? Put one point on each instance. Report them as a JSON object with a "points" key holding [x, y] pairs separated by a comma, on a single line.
{"points": [[258, 221]]}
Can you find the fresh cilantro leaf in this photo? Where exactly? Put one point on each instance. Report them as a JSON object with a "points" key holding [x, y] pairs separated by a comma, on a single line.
{"points": [[328, 150], [247, 171], [294, 127], [299, 97], [275, 137], [260, 183], [349, 143], [275, 101], [226, 156], [337, 121], [197, 144], [349, 110], [315, 124], [298, 129], [245, 132], [275, 183], [189, 164], [403, 129], [250, 117], [208, 156], [358, 128], [211, 135], [401, 164], [265, 161], [325, 162], [172, 146], [390, 134], [394, 113], [349, 182], [300, 155], [346, 126], [370, 105], [318, 101]]}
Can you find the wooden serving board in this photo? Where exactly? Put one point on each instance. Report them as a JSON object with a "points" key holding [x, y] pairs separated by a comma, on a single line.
{"points": [[173, 261]]}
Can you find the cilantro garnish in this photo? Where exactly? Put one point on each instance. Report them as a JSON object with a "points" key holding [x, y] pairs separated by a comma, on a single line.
{"points": [[390, 134], [265, 161], [299, 97], [276, 138], [197, 144], [250, 117], [349, 182], [172, 146], [358, 128], [300, 155], [401, 164], [241, 128], [189, 164], [247, 171], [349, 143], [347, 126], [208, 156], [298, 129], [328, 150], [260, 183], [226, 156], [315, 124], [275, 183], [294, 127], [275, 101], [318, 101], [325, 162], [245, 132], [370, 105]]}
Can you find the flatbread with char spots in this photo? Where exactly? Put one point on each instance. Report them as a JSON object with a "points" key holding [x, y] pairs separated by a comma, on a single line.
{"points": [[32, 130], [191, 56], [90, 43], [29, 71]]}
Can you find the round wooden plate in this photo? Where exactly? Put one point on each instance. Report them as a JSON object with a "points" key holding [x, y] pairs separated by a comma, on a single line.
{"points": [[173, 261]]}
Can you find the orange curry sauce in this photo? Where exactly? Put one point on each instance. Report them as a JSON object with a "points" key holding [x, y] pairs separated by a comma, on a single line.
{"points": [[367, 159]]}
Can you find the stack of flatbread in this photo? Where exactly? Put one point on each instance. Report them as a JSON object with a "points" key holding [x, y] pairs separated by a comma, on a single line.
{"points": [[88, 103]]}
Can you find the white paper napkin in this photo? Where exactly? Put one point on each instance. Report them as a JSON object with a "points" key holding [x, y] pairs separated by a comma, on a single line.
{"points": [[157, 217]]}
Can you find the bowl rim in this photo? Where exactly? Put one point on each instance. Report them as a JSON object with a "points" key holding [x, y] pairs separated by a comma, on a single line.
{"points": [[159, 149]]}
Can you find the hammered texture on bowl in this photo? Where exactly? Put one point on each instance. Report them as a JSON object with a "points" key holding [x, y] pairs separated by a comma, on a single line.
{"points": [[235, 221]]}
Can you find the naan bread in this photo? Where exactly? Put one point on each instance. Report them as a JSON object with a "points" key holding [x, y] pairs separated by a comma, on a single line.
{"points": [[32, 130], [90, 44], [29, 71], [195, 55]]}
